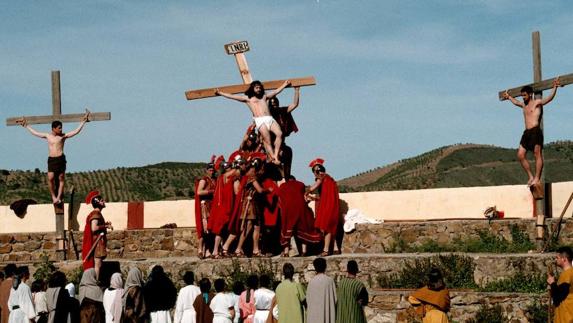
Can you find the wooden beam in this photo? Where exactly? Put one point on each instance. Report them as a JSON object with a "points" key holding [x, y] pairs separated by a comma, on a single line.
{"points": [[56, 94], [539, 86], [94, 116], [241, 88]]}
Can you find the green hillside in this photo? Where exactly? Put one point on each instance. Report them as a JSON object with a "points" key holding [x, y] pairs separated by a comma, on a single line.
{"points": [[450, 166], [462, 166], [162, 181]]}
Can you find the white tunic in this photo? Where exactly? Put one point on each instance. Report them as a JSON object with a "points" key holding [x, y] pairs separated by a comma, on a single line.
{"points": [[220, 305], [20, 305], [108, 298], [160, 317], [184, 310], [263, 301]]}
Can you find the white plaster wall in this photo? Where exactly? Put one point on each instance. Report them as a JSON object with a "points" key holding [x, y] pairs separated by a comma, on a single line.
{"points": [[443, 203], [181, 212]]}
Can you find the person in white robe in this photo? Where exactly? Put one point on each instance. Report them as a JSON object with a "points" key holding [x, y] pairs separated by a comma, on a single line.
{"points": [[112, 303], [263, 299], [184, 310], [223, 304], [20, 302]]}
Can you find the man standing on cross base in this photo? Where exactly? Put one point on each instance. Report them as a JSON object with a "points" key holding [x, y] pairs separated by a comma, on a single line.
{"points": [[532, 138], [94, 244], [56, 157], [562, 290]]}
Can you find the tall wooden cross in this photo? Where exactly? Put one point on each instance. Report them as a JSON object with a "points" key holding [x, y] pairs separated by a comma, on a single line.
{"points": [[239, 49], [47, 119], [57, 110], [538, 86]]}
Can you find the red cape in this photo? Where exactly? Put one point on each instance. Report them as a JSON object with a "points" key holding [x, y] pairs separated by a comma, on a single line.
{"points": [[222, 206], [270, 200], [285, 120], [198, 213], [296, 217], [328, 206], [235, 221], [88, 240]]}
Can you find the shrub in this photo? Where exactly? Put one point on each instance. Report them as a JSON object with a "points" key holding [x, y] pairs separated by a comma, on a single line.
{"points": [[489, 314]]}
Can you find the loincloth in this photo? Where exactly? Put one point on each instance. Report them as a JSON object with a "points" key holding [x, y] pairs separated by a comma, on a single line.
{"points": [[531, 138], [57, 164], [264, 120]]}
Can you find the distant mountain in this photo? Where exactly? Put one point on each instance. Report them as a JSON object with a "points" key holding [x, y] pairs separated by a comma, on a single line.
{"points": [[462, 165]]}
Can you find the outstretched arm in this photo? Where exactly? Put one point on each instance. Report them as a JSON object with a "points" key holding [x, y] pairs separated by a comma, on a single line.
{"points": [[278, 90], [548, 99], [25, 124], [513, 100], [80, 127], [240, 98], [315, 185], [295, 101]]}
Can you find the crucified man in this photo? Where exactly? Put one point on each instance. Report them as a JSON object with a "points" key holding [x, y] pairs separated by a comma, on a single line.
{"points": [[257, 100], [56, 157], [532, 138]]}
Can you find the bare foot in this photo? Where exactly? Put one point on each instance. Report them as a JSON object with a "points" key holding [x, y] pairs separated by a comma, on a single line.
{"points": [[55, 200], [535, 182], [276, 161], [530, 181]]}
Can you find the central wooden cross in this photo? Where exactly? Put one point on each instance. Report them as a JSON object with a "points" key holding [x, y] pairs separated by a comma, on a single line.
{"points": [[238, 49], [538, 86]]}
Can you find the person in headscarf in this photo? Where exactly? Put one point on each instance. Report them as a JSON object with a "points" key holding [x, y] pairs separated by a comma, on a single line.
{"points": [[112, 299], [134, 307], [202, 302], [91, 298], [247, 299], [160, 295], [20, 301], [39, 297], [5, 289], [184, 310], [58, 302]]}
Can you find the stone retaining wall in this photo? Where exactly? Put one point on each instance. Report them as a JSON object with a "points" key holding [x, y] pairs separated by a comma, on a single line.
{"points": [[372, 238]]}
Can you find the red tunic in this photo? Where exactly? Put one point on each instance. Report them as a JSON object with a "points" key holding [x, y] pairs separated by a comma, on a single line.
{"points": [[241, 206], [207, 207], [296, 217], [222, 206], [327, 206], [90, 237], [270, 203]]}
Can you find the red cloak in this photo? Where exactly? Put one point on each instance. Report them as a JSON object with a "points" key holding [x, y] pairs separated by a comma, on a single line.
{"points": [[222, 206], [285, 120], [90, 237], [296, 217], [270, 199], [235, 220], [198, 199], [328, 206]]}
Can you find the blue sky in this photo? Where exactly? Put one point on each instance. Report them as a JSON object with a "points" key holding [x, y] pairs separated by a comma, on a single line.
{"points": [[395, 78]]}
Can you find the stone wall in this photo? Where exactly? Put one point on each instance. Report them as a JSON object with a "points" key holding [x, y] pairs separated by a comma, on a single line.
{"points": [[371, 238]]}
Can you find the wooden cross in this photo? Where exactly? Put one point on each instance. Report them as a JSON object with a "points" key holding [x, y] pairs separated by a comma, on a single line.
{"points": [[57, 115], [57, 110], [538, 86], [238, 49]]}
